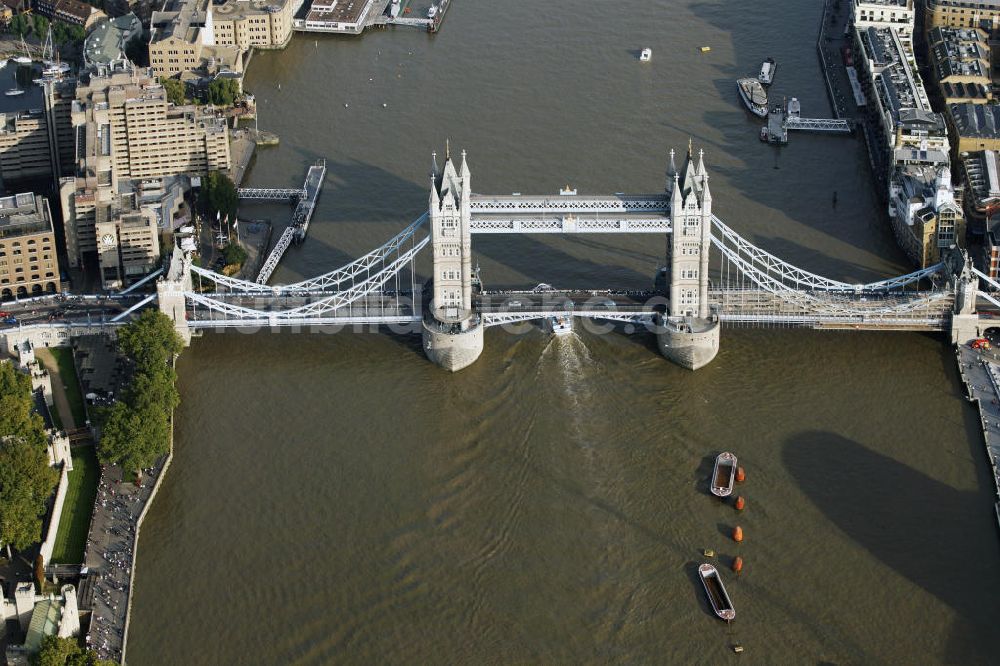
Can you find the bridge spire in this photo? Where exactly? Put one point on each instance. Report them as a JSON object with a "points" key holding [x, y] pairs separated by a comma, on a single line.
{"points": [[671, 170], [434, 164], [701, 162]]}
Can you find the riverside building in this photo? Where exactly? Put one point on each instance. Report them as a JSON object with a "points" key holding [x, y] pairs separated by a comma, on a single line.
{"points": [[911, 147], [135, 152], [28, 263]]}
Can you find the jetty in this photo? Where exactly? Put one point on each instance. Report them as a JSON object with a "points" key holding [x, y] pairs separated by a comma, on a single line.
{"points": [[305, 203], [786, 117], [353, 18], [980, 373]]}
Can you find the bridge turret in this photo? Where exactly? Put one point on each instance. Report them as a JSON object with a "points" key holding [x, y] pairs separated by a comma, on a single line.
{"points": [[453, 336], [690, 332]]}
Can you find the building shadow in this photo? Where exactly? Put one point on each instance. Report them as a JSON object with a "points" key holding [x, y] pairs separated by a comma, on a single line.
{"points": [[895, 511]]}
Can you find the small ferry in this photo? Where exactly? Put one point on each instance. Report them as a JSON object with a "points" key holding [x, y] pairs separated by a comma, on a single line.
{"points": [[753, 95], [432, 12], [561, 325], [794, 108], [724, 474], [646, 55], [716, 592], [766, 75]]}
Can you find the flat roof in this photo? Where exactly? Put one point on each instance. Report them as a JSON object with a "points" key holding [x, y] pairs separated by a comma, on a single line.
{"points": [[337, 11]]}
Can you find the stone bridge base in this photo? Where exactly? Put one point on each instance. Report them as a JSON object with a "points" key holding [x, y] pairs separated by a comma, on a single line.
{"points": [[690, 343], [452, 350]]}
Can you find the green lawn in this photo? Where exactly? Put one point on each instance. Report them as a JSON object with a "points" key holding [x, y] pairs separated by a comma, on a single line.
{"points": [[64, 357], [71, 539]]}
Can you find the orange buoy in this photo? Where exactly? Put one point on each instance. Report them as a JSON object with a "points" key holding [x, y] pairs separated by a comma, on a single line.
{"points": [[738, 565], [741, 476], [737, 534], [740, 503]]}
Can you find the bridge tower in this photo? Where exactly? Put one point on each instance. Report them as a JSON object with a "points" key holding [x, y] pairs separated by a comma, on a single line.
{"points": [[452, 331], [689, 334], [170, 290], [964, 320]]}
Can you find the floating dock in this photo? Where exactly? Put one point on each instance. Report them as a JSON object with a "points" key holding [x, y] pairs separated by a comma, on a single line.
{"points": [[352, 18], [981, 377], [785, 116], [298, 228]]}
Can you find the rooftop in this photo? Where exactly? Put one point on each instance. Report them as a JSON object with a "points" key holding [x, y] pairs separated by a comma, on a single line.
{"points": [[899, 83], [24, 214], [107, 41], [233, 9], [337, 11], [182, 19], [982, 175], [981, 121]]}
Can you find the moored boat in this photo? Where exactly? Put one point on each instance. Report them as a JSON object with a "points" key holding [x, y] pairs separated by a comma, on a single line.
{"points": [[766, 75], [646, 55], [753, 95], [716, 592], [724, 474], [14, 92]]}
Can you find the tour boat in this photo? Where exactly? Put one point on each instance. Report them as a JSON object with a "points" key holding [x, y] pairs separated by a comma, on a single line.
{"points": [[561, 325], [646, 55], [716, 592], [14, 92], [766, 75], [753, 95], [724, 474]]}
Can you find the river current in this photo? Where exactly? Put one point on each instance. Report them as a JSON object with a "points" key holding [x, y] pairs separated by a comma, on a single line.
{"points": [[339, 499]]}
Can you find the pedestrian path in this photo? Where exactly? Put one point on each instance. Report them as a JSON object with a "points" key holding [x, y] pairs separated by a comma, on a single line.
{"points": [[981, 374]]}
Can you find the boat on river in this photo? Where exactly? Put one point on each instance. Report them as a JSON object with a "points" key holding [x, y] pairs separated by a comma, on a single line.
{"points": [[724, 474], [766, 75], [715, 590], [753, 95]]}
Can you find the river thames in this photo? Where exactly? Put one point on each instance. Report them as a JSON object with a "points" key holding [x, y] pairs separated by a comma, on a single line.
{"points": [[339, 499]]}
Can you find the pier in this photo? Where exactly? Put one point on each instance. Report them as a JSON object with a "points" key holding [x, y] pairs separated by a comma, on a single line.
{"points": [[352, 18], [981, 376], [785, 117], [299, 226]]}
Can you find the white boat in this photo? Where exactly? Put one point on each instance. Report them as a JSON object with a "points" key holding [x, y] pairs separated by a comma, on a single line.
{"points": [[394, 9], [724, 474], [646, 55], [23, 59], [432, 12], [766, 75], [716, 592], [561, 325], [794, 108], [753, 95], [14, 92]]}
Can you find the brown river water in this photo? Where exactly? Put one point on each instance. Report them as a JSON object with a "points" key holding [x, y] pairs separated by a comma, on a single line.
{"points": [[339, 499]]}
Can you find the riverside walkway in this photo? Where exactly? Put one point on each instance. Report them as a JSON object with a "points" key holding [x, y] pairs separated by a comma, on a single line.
{"points": [[981, 376]]}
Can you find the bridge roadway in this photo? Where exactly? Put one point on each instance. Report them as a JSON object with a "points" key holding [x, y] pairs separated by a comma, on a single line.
{"points": [[903, 310], [570, 213]]}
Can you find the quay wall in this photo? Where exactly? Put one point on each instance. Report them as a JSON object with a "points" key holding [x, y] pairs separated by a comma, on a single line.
{"points": [[823, 64], [992, 452]]}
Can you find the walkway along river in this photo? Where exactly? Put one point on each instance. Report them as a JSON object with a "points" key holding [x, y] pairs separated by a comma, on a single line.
{"points": [[336, 498]]}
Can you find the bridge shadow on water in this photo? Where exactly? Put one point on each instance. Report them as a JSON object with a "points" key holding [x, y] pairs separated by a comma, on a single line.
{"points": [[889, 507]]}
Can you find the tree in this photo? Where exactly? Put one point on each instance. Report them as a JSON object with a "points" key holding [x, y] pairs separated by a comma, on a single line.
{"points": [[150, 341], [137, 429], [40, 572], [55, 651], [223, 91], [220, 195], [26, 480], [234, 254], [175, 90], [21, 25]]}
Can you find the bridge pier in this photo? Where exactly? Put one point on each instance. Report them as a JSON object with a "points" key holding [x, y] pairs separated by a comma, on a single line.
{"points": [[691, 342], [450, 346]]}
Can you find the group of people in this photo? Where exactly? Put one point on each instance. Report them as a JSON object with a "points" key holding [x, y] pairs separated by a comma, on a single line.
{"points": [[112, 537]]}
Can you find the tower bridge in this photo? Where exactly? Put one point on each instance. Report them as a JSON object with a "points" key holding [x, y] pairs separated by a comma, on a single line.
{"points": [[712, 276]]}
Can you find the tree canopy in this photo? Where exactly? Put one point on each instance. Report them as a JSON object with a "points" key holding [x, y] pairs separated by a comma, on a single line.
{"points": [[57, 651], [234, 254], [137, 431], [223, 91], [220, 195], [175, 90], [26, 480]]}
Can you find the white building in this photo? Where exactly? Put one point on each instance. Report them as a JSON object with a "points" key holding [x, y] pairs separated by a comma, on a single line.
{"points": [[898, 14]]}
